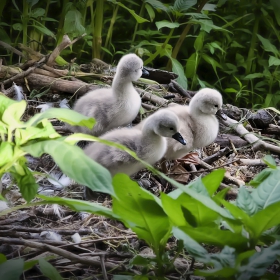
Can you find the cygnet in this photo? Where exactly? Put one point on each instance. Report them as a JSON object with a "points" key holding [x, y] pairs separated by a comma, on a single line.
{"points": [[149, 143], [198, 123], [115, 106]]}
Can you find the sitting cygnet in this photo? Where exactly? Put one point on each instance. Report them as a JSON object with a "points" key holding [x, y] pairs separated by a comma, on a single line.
{"points": [[198, 123], [149, 143], [115, 106]]}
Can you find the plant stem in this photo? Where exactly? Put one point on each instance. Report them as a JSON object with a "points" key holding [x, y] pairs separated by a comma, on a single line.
{"points": [[183, 36], [110, 30], [153, 56], [43, 22], [97, 31], [61, 22], [24, 22], [137, 24]]}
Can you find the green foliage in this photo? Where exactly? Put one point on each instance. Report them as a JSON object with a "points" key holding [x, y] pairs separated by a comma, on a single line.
{"points": [[37, 136]]}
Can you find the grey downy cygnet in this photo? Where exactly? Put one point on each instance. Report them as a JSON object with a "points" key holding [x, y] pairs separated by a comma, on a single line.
{"points": [[115, 106], [149, 143], [198, 123]]}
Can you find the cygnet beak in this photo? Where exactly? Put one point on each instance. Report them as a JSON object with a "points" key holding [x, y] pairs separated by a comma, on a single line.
{"points": [[145, 72], [221, 114], [177, 136]]}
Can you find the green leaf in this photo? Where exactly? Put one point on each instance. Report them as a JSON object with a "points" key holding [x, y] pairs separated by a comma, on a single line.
{"points": [[191, 65], [157, 5], [2, 258], [268, 191], [276, 9], [29, 264], [48, 270], [178, 69], [198, 43], [270, 161], [11, 269], [212, 62], [213, 180], [150, 12], [79, 205], [224, 273], [215, 236], [266, 218], [268, 46], [66, 115], [42, 29], [258, 263], [246, 202], [75, 164], [6, 152], [132, 12], [13, 113], [38, 12], [166, 23], [17, 26], [183, 5], [25, 181], [73, 22], [273, 61], [190, 244], [140, 210], [259, 178], [254, 76]]}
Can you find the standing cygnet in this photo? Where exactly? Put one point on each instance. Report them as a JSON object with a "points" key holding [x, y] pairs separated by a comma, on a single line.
{"points": [[115, 106], [148, 143], [198, 123]]}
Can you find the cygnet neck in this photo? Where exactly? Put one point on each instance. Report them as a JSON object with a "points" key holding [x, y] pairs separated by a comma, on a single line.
{"points": [[149, 130], [195, 111], [122, 85]]}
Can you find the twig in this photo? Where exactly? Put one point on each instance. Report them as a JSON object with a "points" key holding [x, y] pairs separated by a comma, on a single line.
{"points": [[27, 72], [154, 98], [149, 107], [12, 49], [180, 90], [66, 254], [217, 155], [249, 137], [103, 267]]}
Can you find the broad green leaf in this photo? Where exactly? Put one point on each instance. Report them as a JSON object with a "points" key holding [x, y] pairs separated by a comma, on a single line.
{"points": [[212, 181], [207, 25], [259, 178], [45, 132], [29, 264], [66, 115], [199, 187], [140, 210], [276, 9], [13, 113], [142, 261], [254, 76], [75, 164], [150, 12], [269, 161], [258, 263], [157, 5], [245, 202], [268, 191], [266, 218], [38, 12], [224, 273], [6, 152], [212, 62], [198, 43], [166, 23], [193, 247], [79, 205], [197, 214], [191, 65], [11, 269], [48, 270], [268, 46], [132, 12], [273, 61], [17, 26], [73, 22], [183, 5], [26, 181], [42, 29], [215, 236], [178, 69]]}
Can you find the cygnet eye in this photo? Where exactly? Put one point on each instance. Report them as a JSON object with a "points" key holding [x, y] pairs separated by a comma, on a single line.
{"points": [[171, 128], [216, 106]]}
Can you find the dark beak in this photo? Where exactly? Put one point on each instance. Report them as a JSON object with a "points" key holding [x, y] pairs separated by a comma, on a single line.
{"points": [[177, 136], [145, 72], [221, 114]]}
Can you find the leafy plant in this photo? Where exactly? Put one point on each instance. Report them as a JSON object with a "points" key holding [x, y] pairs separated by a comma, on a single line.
{"points": [[37, 136]]}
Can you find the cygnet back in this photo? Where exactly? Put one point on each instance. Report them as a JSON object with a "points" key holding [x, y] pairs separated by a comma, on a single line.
{"points": [[198, 123], [115, 106], [149, 143]]}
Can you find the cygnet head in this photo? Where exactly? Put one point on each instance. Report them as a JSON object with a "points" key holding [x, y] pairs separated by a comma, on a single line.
{"points": [[207, 101], [130, 67], [166, 124]]}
